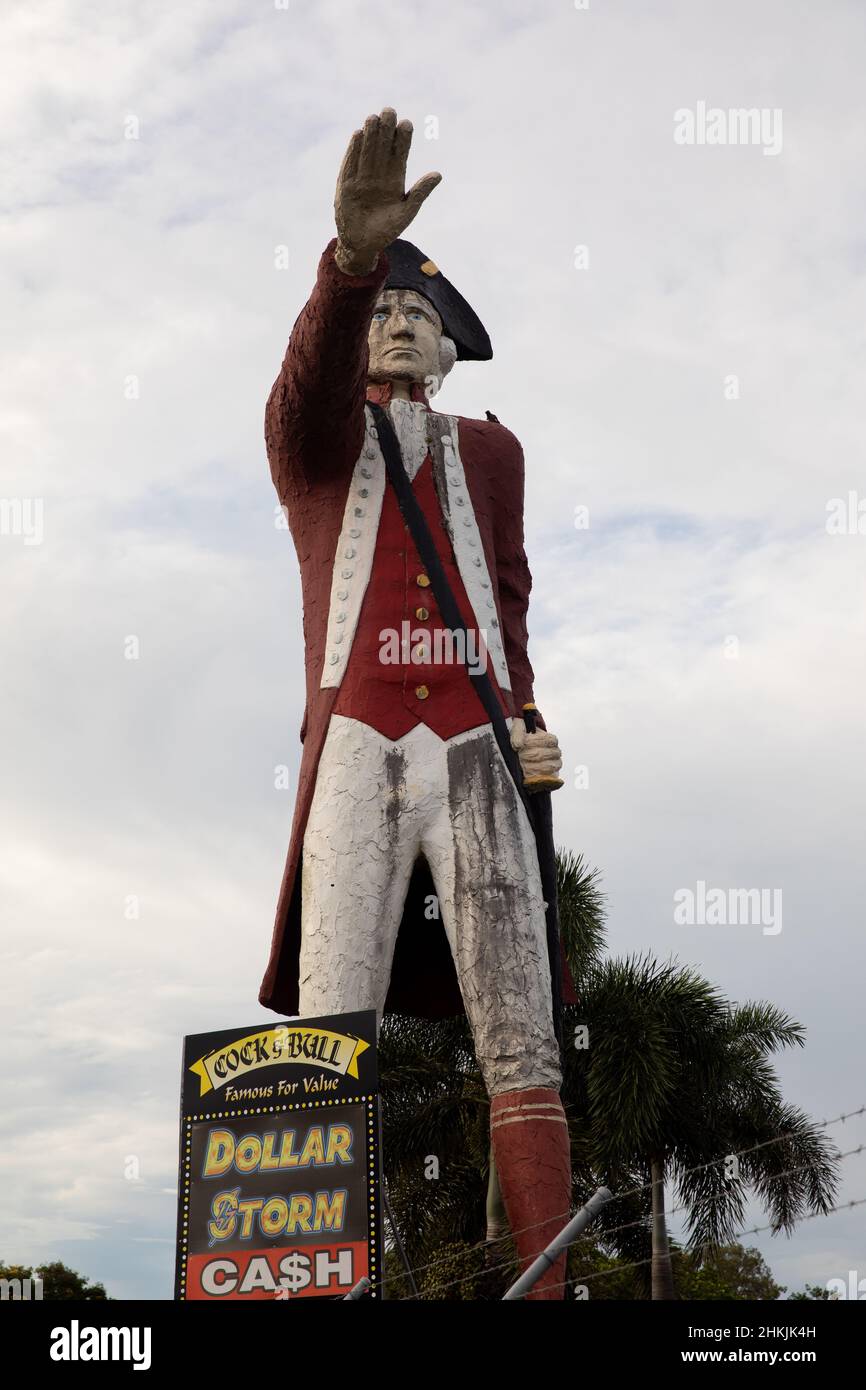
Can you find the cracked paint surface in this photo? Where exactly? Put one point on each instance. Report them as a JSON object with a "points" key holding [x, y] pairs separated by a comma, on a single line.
{"points": [[377, 807]]}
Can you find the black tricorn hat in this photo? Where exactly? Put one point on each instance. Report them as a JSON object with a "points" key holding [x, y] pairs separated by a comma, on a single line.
{"points": [[410, 269]]}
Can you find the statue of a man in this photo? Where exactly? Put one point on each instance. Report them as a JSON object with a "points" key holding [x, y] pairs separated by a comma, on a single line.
{"points": [[408, 819]]}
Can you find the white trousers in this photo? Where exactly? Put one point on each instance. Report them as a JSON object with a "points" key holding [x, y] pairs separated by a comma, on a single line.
{"points": [[376, 808]]}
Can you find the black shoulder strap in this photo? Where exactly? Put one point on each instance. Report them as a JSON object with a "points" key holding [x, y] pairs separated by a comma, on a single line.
{"points": [[442, 591]]}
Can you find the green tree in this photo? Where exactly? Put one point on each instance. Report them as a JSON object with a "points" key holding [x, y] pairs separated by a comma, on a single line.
{"points": [[731, 1272], [728, 1272]]}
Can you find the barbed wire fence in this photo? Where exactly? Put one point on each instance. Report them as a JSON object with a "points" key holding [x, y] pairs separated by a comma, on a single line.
{"points": [[643, 1221]]}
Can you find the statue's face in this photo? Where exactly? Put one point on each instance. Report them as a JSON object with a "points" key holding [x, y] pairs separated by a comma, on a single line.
{"points": [[404, 338]]}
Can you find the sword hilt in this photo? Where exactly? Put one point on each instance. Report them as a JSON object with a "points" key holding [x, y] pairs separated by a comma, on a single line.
{"points": [[538, 783]]}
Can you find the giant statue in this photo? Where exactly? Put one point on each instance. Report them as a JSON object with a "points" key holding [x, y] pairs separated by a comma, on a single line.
{"points": [[417, 756]]}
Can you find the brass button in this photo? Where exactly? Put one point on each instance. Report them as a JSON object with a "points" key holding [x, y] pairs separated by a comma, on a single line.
{"points": [[421, 692], [423, 581], [422, 614]]}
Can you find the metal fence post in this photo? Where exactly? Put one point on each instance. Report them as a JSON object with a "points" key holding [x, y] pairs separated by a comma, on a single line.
{"points": [[548, 1257]]}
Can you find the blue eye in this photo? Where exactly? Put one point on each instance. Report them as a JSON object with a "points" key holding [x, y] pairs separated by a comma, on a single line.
{"points": [[380, 315]]}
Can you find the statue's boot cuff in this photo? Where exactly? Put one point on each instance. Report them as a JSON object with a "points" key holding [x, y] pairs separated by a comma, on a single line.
{"points": [[529, 1133]]}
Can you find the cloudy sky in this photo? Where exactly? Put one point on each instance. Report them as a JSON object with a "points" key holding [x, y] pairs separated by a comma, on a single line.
{"points": [[692, 377]]}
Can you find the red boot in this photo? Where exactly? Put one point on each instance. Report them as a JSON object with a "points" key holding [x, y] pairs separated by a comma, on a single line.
{"points": [[531, 1147]]}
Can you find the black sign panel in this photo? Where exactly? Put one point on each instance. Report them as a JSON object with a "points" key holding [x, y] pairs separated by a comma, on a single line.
{"points": [[279, 1161]]}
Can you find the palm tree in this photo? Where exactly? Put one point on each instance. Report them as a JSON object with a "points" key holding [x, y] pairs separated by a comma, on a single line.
{"points": [[780, 1153], [621, 1089], [676, 1082]]}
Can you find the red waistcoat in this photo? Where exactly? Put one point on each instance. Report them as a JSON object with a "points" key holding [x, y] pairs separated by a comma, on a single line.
{"points": [[393, 696]]}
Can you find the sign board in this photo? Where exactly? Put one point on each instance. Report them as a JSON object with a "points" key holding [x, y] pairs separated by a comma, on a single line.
{"points": [[279, 1192]]}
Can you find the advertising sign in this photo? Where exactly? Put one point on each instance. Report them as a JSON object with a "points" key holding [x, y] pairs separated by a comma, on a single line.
{"points": [[279, 1161]]}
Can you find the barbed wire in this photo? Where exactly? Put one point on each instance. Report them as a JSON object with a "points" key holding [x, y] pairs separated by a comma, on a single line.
{"points": [[488, 1245], [739, 1153], [643, 1221], [717, 1197], [747, 1231], [646, 1187]]}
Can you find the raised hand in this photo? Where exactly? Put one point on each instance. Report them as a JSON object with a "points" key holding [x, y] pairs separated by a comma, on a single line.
{"points": [[371, 205]]}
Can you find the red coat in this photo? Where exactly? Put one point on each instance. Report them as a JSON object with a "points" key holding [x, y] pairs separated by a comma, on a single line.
{"points": [[314, 430]]}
